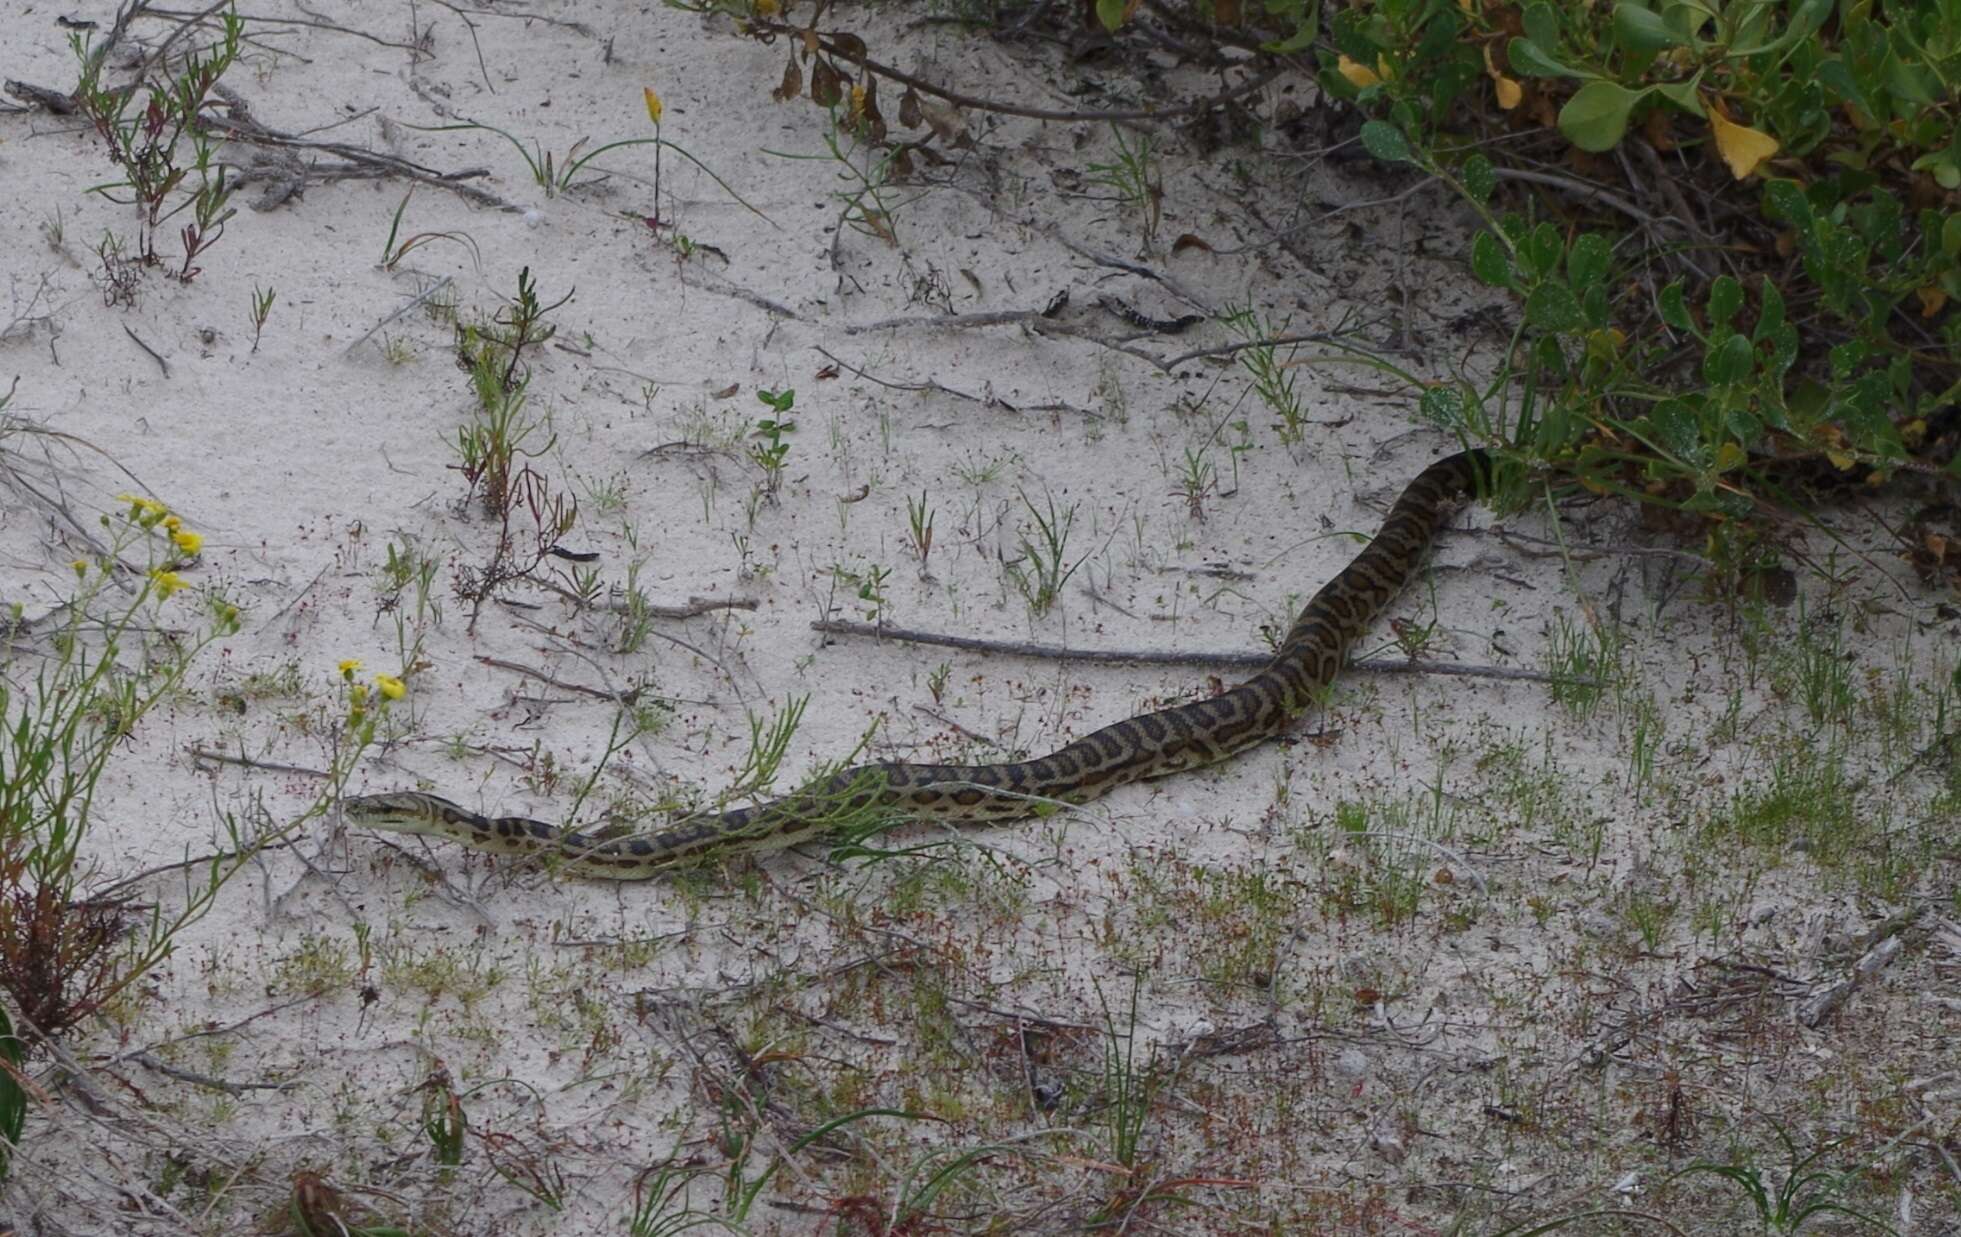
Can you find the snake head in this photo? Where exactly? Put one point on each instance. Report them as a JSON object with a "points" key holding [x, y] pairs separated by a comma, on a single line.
{"points": [[399, 811]]}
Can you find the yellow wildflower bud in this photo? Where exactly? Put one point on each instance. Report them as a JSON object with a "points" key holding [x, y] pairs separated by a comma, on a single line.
{"points": [[654, 108], [172, 523], [390, 687], [857, 102], [81, 566], [349, 668], [167, 582]]}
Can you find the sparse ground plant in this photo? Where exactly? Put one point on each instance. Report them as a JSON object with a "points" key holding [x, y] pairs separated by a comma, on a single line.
{"points": [[557, 174], [71, 943], [147, 144], [1043, 566], [768, 449], [1274, 381], [1133, 178], [397, 246], [262, 301]]}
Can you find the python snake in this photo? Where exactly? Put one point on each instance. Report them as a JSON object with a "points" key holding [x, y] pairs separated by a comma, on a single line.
{"points": [[1150, 745]]}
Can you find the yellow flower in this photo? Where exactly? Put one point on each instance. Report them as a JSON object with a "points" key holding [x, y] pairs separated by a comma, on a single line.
{"points": [[81, 566], [167, 582], [146, 511], [349, 668], [187, 541], [857, 102], [391, 688], [654, 108], [171, 522]]}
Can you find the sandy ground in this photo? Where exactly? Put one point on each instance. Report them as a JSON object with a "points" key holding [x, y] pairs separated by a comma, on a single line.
{"points": [[1525, 981]]}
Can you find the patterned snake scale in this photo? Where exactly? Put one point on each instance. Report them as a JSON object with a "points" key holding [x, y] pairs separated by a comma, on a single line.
{"points": [[1149, 745]]}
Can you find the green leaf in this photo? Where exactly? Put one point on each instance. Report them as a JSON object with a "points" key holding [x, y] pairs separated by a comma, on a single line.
{"points": [[1674, 310], [1685, 95], [1306, 15], [1590, 257], [1808, 16], [1676, 428], [1951, 237], [1546, 248], [1947, 174], [1838, 79], [1641, 29], [1846, 357], [1528, 61], [1110, 13], [1442, 407], [1725, 298], [1593, 300], [1479, 179], [1770, 317], [1541, 24], [1728, 362], [1596, 116], [1909, 82], [1386, 142], [1784, 202], [1553, 307], [1489, 262]]}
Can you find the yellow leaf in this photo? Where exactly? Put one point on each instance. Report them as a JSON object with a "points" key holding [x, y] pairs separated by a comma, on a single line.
{"points": [[1730, 455], [1841, 460], [1509, 91], [1932, 300], [1742, 147], [1360, 76], [654, 108]]}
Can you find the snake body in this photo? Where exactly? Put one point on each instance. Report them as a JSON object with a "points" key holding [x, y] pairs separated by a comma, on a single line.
{"points": [[1149, 745]]}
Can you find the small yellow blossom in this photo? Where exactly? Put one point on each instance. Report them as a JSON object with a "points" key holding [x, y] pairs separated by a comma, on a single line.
{"points": [[187, 541], [172, 523], [654, 108], [81, 566], [167, 582], [857, 102], [349, 668], [390, 687], [145, 511]]}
